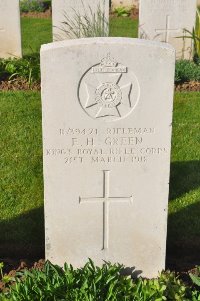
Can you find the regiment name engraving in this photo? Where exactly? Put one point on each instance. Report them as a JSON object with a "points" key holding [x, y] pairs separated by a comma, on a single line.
{"points": [[114, 145]]}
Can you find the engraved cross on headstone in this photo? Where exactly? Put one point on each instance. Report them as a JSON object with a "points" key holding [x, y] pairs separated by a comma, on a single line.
{"points": [[106, 200], [167, 30]]}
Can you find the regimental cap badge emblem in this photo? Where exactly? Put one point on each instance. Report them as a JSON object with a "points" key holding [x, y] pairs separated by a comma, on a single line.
{"points": [[108, 91], [108, 61], [109, 65]]}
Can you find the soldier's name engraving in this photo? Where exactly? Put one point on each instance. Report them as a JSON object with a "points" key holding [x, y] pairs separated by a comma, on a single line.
{"points": [[109, 145], [107, 141]]}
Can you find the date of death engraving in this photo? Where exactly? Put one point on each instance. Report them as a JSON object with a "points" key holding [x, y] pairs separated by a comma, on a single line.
{"points": [[110, 146]]}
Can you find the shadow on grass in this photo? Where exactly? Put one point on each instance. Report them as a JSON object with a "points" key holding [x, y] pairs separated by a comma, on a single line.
{"points": [[23, 236], [185, 176], [183, 242]]}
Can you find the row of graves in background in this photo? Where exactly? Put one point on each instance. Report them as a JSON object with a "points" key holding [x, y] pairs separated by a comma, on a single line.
{"points": [[72, 12], [159, 20], [166, 21], [129, 3], [10, 29]]}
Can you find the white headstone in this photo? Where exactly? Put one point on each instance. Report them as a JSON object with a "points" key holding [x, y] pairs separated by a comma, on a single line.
{"points": [[10, 30], [165, 21], [125, 3], [107, 121], [71, 10]]}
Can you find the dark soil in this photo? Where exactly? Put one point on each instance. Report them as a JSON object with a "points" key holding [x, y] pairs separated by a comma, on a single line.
{"points": [[134, 14], [22, 84], [43, 15], [182, 256], [12, 267], [189, 86], [47, 14], [18, 84]]}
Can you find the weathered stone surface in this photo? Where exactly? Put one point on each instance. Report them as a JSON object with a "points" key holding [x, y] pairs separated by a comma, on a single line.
{"points": [[117, 3], [165, 21], [124, 3], [71, 9], [10, 30], [107, 120]]}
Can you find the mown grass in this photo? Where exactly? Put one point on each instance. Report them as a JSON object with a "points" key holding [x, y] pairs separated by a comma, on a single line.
{"points": [[184, 204], [21, 185], [186, 151], [21, 188], [123, 27], [39, 31], [34, 33], [21, 203]]}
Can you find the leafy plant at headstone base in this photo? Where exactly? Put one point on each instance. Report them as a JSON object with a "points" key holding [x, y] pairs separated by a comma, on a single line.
{"points": [[195, 277], [88, 24], [195, 36], [175, 288], [31, 6], [122, 11], [5, 278], [92, 283], [46, 4], [186, 71], [27, 68]]}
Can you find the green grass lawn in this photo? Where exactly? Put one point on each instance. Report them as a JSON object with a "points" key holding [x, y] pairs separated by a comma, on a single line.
{"points": [[21, 194], [34, 33], [123, 27], [21, 204], [21, 190], [39, 31], [184, 205]]}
